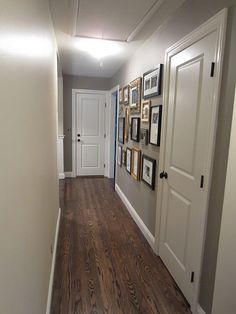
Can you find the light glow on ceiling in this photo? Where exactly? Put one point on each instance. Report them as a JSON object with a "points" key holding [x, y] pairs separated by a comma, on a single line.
{"points": [[98, 48], [29, 46]]}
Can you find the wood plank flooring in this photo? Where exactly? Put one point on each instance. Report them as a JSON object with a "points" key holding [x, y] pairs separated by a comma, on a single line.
{"points": [[104, 264]]}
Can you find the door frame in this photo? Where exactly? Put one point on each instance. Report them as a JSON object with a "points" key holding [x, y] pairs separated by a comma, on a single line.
{"points": [[217, 23], [74, 137]]}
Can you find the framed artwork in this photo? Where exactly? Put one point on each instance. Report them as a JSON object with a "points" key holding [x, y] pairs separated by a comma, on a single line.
{"points": [[128, 159], [123, 157], [119, 157], [145, 111], [135, 128], [152, 82], [135, 95], [148, 171], [121, 96], [121, 130], [155, 125], [135, 168], [144, 136], [126, 95], [126, 124]]}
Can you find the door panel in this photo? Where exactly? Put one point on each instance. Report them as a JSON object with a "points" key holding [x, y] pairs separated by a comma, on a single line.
{"points": [[187, 139], [90, 112]]}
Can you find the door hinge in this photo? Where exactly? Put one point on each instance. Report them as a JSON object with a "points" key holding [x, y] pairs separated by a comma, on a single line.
{"points": [[105, 135], [104, 166], [202, 182], [192, 276], [164, 174], [105, 104], [212, 69]]}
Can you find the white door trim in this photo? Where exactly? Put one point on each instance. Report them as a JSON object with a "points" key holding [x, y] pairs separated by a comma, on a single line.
{"points": [[86, 91], [216, 23]]}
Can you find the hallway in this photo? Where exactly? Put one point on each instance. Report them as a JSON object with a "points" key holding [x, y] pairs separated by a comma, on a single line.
{"points": [[104, 264]]}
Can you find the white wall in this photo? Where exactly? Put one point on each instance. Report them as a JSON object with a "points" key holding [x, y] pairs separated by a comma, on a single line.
{"points": [[28, 154], [224, 300]]}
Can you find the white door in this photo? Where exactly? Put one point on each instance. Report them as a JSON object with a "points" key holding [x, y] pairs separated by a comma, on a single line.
{"points": [[90, 119], [188, 132]]}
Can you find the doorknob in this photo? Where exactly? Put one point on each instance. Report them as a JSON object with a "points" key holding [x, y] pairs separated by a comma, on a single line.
{"points": [[164, 174], [78, 140], [78, 135]]}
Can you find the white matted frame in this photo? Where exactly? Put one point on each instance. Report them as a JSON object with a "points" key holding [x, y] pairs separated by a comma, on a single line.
{"points": [[74, 138], [216, 23]]}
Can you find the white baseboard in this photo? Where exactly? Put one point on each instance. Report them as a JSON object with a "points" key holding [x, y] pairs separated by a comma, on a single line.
{"points": [[200, 310], [69, 175], [147, 234], [53, 264], [61, 176]]}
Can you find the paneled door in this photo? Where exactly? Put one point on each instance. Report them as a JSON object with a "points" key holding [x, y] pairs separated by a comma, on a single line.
{"points": [[188, 149], [90, 142]]}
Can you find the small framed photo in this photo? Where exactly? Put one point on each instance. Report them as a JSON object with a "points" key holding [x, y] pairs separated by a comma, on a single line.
{"points": [[121, 130], [145, 111], [152, 82], [144, 136], [155, 125], [126, 95], [128, 159], [123, 157], [148, 171], [135, 128], [126, 124], [135, 95], [121, 96], [135, 168], [119, 155]]}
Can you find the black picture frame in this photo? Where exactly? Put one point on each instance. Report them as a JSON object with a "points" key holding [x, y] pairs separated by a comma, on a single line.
{"points": [[128, 162], [124, 157], [135, 129], [152, 82], [144, 136], [121, 130], [155, 125], [150, 164], [119, 155]]}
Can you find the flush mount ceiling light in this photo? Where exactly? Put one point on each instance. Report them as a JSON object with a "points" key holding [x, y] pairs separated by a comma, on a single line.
{"points": [[98, 48]]}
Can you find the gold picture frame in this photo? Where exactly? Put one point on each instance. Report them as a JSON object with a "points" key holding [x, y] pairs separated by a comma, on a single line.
{"points": [[126, 125], [135, 167], [145, 111], [135, 95]]}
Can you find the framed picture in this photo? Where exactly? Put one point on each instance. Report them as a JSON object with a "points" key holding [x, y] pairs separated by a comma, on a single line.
{"points": [[135, 95], [135, 168], [123, 157], [126, 95], [144, 136], [121, 130], [119, 155], [155, 125], [135, 127], [128, 159], [121, 96], [148, 171], [145, 111], [126, 124], [152, 82]]}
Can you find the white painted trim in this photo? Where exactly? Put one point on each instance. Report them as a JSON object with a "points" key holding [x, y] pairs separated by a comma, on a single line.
{"points": [[216, 23], [49, 300], [200, 310], [62, 176], [147, 234], [69, 175], [60, 156], [87, 91], [110, 133]]}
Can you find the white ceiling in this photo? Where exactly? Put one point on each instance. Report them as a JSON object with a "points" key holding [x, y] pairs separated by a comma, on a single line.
{"points": [[106, 19]]}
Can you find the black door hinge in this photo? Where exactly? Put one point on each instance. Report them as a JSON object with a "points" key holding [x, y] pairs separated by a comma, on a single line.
{"points": [[104, 166], [212, 69], [202, 182], [192, 276], [164, 174]]}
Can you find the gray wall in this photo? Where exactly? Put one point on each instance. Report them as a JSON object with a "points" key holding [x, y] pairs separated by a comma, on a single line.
{"points": [[29, 200], [76, 82], [152, 52]]}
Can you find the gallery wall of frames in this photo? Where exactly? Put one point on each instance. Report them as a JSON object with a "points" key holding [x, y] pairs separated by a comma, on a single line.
{"points": [[139, 125]]}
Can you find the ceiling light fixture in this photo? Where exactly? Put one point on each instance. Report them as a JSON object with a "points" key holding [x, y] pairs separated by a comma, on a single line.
{"points": [[98, 48]]}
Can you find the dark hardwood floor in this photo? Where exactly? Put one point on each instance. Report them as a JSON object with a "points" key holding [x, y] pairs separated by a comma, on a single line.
{"points": [[104, 264]]}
